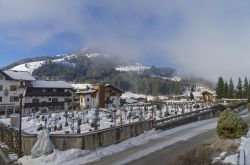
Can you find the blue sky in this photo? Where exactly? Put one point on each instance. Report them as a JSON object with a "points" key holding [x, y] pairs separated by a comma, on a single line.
{"points": [[200, 37]]}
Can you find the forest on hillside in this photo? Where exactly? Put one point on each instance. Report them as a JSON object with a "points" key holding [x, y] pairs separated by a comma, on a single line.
{"points": [[102, 70]]}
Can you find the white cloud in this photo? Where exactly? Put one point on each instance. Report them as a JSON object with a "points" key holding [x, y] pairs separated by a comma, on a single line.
{"points": [[205, 38]]}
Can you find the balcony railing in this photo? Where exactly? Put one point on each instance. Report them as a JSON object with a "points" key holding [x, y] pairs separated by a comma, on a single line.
{"points": [[43, 104], [44, 94]]}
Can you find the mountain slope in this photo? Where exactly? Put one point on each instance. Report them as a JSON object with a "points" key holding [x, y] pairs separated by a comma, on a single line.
{"points": [[92, 65]]}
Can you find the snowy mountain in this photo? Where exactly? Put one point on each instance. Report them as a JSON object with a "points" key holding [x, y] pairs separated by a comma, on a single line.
{"points": [[64, 59], [90, 63]]}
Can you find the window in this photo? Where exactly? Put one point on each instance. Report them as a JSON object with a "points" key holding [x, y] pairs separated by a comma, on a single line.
{"points": [[13, 88], [1, 99], [53, 108], [54, 90], [54, 100], [87, 99], [34, 110], [49, 99], [35, 100], [1, 88], [1, 77], [14, 99]]}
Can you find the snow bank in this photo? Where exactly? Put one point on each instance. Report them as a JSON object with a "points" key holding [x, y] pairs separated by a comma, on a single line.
{"points": [[245, 144], [233, 159], [56, 158]]}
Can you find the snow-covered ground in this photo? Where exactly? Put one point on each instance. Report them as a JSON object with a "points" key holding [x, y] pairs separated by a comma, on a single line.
{"points": [[244, 145], [136, 68], [76, 156], [32, 124], [84, 119], [136, 96], [28, 67]]}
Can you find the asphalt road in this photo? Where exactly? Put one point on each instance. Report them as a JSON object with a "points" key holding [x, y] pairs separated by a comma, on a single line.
{"points": [[163, 150], [170, 153]]}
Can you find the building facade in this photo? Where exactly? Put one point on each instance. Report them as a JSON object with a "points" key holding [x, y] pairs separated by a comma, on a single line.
{"points": [[38, 96], [10, 90], [98, 95], [109, 95], [46, 96]]}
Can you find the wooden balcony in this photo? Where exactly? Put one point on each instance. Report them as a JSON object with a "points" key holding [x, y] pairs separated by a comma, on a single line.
{"points": [[43, 104], [48, 94]]}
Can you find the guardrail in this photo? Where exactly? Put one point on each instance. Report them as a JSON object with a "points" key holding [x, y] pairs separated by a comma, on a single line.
{"points": [[161, 121], [205, 113]]}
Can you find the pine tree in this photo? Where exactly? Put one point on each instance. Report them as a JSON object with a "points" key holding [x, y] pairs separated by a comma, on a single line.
{"points": [[220, 88], [248, 92], [225, 93], [239, 89], [245, 88], [231, 89], [193, 88], [191, 96]]}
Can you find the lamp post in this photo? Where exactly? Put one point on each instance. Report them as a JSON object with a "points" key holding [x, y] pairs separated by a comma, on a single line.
{"points": [[21, 92], [20, 126]]}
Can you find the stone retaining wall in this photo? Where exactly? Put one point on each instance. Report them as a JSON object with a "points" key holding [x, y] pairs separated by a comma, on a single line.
{"points": [[92, 140]]}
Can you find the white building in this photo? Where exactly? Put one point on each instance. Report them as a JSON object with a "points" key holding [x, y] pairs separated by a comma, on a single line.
{"points": [[88, 98], [37, 95], [10, 82], [45, 96], [102, 95]]}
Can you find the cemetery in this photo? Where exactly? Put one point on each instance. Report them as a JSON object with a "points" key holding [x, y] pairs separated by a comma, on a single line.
{"points": [[83, 121]]}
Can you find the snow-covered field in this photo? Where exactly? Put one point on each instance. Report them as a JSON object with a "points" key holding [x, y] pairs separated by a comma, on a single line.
{"points": [[136, 68], [28, 67]]}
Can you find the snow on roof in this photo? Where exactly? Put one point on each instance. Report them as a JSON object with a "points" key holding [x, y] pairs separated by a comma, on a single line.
{"points": [[131, 101], [90, 91], [51, 84], [197, 94], [135, 96], [81, 86], [19, 75]]}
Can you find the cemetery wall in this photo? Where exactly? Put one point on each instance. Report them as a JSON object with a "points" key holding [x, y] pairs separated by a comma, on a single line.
{"points": [[91, 140]]}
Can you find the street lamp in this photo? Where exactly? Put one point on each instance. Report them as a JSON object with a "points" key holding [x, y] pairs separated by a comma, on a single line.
{"points": [[21, 91]]}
